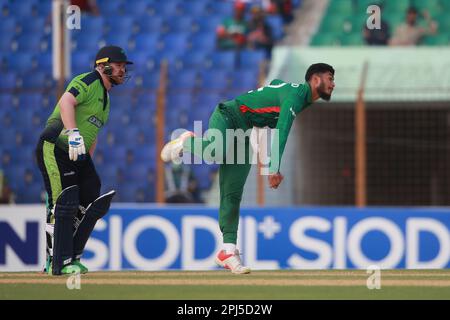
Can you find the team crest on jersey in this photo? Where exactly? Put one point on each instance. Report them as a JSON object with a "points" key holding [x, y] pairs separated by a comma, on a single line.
{"points": [[96, 121]]}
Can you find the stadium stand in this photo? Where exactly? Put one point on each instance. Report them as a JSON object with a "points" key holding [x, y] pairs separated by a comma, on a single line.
{"points": [[183, 32], [344, 20]]}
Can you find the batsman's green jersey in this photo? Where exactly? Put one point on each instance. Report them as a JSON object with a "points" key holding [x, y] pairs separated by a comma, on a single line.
{"points": [[91, 111]]}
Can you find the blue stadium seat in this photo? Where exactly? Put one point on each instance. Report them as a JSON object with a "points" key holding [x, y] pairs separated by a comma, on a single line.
{"points": [[31, 101], [118, 39], [222, 8], [206, 102], [6, 42], [178, 117], [137, 8], [117, 154], [81, 34], [108, 171], [244, 80], [8, 136], [208, 23], [146, 42], [137, 172], [150, 26], [178, 101], [296, 3], [92, 24], [24, 9], [126, 192], [216, 80], [225, 60], [25, 155], [194, 8], [144, 116], [44, 61], [36, 26], [121, 102], [203, 41], [9, 80], [25, 137], [202, 174], [147, 81], [21, 62], [82, 61], [276, 23], [149, 133], [165, 8], [87, 42], [251, 59], [7, 118], [111, 7], [25, 119], [37, 80], [180, 24], [171, 56], [6, 101], [120, 24], [119, 114], [30, 193], [44, 8], [145, 155], [175, 43], [30, 43], [200, 114], [146, 100], [193, 60], [140, 59], [184, 80], [8, 25], [129, 136]]}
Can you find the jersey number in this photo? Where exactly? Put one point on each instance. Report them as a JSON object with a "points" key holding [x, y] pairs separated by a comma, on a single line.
{"points": [[276, 86]]}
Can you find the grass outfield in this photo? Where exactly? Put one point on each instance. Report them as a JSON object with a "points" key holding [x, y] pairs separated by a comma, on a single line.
{"points": [[218, 285]]}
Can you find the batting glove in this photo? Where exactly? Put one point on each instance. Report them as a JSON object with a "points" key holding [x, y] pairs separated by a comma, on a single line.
{"points": [[77, 150]]}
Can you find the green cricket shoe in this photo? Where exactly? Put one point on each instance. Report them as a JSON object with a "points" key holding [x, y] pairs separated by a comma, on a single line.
{"points": [[83, 268], [69, 269]]}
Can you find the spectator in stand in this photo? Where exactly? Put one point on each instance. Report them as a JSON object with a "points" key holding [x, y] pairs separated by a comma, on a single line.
{"points": [[410, 33], [284, 8], [260, 34], [6, 194], [87, 6], [180, 183], [232, 33], [377, 37]]}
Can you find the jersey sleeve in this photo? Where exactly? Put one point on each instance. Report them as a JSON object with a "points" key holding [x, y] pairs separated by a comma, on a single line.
{"points": [[78, 89], [289, 109]]}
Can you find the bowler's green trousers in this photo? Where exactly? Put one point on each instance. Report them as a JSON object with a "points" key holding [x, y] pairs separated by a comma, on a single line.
{"points": [[234, 153]]}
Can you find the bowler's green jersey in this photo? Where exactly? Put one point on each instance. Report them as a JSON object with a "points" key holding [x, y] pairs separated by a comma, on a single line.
{"points": [[275, 106], [91, 111]]}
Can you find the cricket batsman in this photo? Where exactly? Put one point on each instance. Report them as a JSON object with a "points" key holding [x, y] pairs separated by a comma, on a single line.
{"points": [[273, 106], [74, 203]]}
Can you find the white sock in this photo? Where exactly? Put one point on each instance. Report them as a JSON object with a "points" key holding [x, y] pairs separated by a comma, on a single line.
{"points": [[229, 248]]}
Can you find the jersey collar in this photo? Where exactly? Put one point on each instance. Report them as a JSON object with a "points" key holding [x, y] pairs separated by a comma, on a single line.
{"points": [[100, 78], [308, 96]]}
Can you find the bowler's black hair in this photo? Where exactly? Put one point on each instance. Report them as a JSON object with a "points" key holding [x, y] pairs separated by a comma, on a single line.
{"points": [[318, 68]]}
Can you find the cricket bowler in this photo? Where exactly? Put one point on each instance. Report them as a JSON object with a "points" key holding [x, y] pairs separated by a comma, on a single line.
{"points": [[273, 106], [74, 203]]}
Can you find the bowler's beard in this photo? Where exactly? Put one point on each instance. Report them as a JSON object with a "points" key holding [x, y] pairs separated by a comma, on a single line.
{"points": [[322, 94]]}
